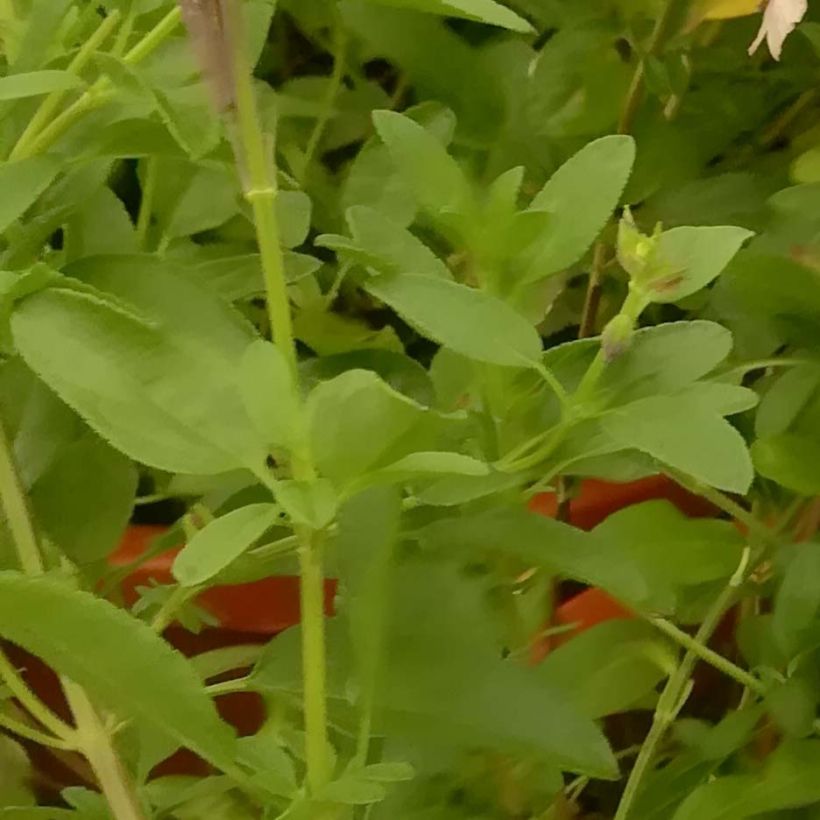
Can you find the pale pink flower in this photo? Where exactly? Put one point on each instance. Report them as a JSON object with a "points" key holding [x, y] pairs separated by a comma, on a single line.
{"points": [[779, 20]]}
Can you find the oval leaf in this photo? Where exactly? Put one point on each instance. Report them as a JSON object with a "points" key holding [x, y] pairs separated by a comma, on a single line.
{"points": [[468, 321]]}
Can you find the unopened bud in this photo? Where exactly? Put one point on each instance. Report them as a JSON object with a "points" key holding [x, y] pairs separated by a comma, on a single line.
{"points": [[617, 337]]}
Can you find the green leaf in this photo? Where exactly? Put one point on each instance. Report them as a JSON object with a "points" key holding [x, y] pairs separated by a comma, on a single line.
{"points": [[115, 657], [482, 11], [96, 358], [793, 706], [357, 423], [369, 528], [468, 321], [84, 499], [687, 437], [796, 620], [35, 83], [791, 460], [221, 541], [539, 542], [580, 197], [609, 668], [424, 464], [429, 171], [788, 780], [784, 401], [385, 246], [692, 258], [269, 393], [353, 789], [694, 551], [22, 183]]}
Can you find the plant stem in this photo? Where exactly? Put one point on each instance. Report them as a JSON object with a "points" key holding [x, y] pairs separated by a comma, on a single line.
{"points": [[635, 93], [99, 92], [339, 43], [47, 109], [177, 599], [147, 200], [228, 687], [708, 655], [35, 735], [15, 507], [592, 300], [27, 699], [312, 592], [91, 737], [95, 743], [676, 692], [257, 165]]}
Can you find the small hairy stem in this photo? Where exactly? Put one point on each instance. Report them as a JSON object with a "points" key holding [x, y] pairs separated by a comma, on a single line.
{"points": [[676, 692], [708, 655], [29, 701], [29, 733], [228, 687], [95, 743], [48, 108]]}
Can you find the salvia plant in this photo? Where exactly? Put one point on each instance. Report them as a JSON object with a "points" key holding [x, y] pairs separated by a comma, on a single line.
{"points": [[376, 300]]}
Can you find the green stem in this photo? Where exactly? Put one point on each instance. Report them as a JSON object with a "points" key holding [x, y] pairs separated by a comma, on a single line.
{"points": [[635, 93], [35, 735], [147, 200], [257, 168], [91, 737], [33, 705], [676, 692], [15, 508], [708, 655], [167, 612], [95, 743], [340, 41], [48, 108], [100, 91], [228, 687], [313, 662]]}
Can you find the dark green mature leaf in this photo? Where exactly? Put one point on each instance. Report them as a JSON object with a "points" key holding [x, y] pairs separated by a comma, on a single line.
{"points": [[84, 499], [468, 321], [540, 542], [357, 423], [115, 657], [686, 436], [221, 541], [609, 668], [692, 258], [580, 196], [482, 11], [789, 780], [791, 460], [132, 381], [796, 620], [22, 183], [431, 173]]}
